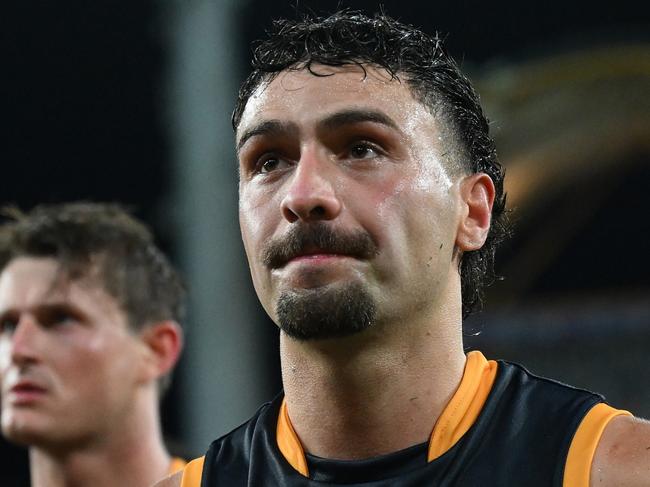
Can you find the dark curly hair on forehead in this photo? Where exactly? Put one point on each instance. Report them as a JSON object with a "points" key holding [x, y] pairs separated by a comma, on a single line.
{"points": [[435, 80]]}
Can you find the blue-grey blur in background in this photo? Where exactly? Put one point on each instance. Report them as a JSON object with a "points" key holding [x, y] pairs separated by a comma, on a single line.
{"points": [[131, 101]]}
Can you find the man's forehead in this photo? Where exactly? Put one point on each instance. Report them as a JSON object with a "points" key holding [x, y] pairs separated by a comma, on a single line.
{"points": [[33, 280], [318, 88]]}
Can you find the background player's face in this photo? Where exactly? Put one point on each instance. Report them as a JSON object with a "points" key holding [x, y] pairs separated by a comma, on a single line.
{"points": [[68, 363], [361, 156]]}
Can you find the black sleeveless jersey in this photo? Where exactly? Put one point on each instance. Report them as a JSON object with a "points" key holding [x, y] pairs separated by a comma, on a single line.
{"points": [[521, 438]]}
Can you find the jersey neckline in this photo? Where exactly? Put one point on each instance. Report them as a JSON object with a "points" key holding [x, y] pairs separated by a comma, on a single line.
{"points": [[456, 419]]}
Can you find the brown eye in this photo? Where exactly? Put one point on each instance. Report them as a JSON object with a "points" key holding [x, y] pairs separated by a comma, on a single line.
{"points": [[363, 151], [272, 163]]}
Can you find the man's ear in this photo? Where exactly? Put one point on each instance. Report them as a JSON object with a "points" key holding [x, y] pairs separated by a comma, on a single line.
{"points": [[477, 196], [163, 342]]}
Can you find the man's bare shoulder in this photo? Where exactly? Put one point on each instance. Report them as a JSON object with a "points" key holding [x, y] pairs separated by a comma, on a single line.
{"points": [[622, 458], [173, 480]]}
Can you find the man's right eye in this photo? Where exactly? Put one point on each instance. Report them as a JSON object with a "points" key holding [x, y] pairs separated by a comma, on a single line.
{"points": [[272, 163], [8, 325], [269, 165]]}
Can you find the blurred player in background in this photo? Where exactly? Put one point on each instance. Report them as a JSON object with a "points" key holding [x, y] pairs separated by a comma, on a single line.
{"points": [[89, 334]]}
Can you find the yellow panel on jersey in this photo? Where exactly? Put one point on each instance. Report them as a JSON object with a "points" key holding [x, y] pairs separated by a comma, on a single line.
{"points": [[465, 405], [585, 441], [176, 465], [192, 473], [288, 442]]}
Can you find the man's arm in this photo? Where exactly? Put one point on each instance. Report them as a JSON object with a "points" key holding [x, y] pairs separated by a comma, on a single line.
{"points": [[171, 481], [622, 458]]}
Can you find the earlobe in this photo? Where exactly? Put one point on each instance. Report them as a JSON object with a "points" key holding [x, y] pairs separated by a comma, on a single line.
{"points": [[477, 196], [163, 344]]}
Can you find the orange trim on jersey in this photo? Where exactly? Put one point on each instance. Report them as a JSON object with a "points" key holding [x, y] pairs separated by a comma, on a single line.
{"points": [[192, 473], [176, 465], [583, 446], [459, 415], [465, 405], [288, 442]]}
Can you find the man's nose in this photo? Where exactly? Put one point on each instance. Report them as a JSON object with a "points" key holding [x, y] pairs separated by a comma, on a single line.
{"points": [[24, 341], [312, 194]]}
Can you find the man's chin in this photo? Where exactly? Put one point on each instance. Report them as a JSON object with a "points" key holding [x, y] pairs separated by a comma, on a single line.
{"points": [[47, 437], [30, 428], [325, 312], [22, 432]]}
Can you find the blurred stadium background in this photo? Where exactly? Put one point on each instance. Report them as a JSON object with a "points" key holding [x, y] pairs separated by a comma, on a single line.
{"points": [[130, 102]]}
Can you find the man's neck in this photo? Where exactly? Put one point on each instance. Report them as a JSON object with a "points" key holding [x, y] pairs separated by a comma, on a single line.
{"points": [[134, 455], [361, 396]]}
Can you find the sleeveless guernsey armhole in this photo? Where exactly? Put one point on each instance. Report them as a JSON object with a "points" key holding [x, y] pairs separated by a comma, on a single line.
{"points": [[176, 465], [583, 446], [288, 442], [465, 405], [192, 473]]}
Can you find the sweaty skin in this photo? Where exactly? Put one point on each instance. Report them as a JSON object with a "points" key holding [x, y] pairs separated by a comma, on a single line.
{"points": [[398, 190]]}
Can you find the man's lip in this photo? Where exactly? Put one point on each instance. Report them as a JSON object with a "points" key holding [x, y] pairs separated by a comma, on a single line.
{"points": [[25, 393], [26, 386], [316, 256]]}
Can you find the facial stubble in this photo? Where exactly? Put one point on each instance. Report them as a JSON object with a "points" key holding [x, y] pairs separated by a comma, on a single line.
{"points": [[331, 311], [335, 309]]}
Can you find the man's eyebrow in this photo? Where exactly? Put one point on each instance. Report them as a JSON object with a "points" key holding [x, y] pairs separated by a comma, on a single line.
{"points": [[60, 306], [48, 307], [335, 120], [267, 127], [353, 116]]}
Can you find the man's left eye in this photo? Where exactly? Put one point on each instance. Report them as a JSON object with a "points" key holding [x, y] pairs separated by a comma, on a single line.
{"points": [[363, 151], [60, 318]]}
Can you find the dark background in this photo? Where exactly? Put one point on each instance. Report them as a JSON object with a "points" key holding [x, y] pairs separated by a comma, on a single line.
{"points": [[85, 117]]}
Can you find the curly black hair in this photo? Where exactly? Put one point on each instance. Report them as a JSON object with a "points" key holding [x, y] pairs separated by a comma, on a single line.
{"points": [[435, 80]]}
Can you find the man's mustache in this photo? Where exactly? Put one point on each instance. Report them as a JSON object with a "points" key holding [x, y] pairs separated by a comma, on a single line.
{"points": [[304, 238]]}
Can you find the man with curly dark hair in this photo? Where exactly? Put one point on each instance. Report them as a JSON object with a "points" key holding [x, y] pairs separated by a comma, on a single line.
{"points": [[89, 333], [371, 203]]}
